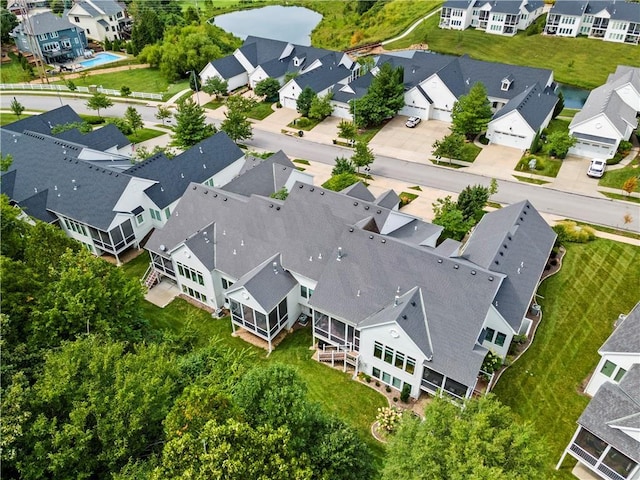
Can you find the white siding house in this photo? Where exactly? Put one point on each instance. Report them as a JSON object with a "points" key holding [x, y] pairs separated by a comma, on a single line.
{"points": [[101, 19]]}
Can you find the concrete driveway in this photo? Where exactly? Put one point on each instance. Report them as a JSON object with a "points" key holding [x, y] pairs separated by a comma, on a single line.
{"points": [[496, 161], [572, 176], [413, 144]]}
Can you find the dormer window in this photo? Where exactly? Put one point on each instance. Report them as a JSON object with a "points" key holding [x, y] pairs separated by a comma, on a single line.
{"points": [[297, 61], [506, 83]]}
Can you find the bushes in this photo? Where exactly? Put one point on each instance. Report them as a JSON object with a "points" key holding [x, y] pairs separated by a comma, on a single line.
{"points": [[572, 232], [93, 119], [406, 391], [340, 182]]}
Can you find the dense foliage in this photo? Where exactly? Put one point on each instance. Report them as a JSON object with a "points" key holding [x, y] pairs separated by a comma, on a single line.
{"points": [[472, 112], [384, 98], [191, 126]]}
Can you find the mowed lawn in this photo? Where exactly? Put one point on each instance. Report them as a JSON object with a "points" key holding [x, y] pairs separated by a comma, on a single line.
{"points": [[573, 60], [597, 282], [350, 400]]}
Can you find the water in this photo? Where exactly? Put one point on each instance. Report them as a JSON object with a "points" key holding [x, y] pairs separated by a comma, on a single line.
{"points": [[99, 59], [289, 24], [573, 97]]}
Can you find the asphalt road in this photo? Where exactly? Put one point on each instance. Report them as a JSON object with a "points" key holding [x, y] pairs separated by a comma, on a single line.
{"points": [[570, 205]]}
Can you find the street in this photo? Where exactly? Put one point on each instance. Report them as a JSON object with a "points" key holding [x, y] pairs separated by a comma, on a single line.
{"points": [[564, 204]]}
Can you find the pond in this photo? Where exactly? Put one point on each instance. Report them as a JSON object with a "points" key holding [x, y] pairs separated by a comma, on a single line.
{"points": [[289, 24], [573, 97]]}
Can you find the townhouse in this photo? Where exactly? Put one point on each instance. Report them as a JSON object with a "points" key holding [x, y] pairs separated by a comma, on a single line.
{"points": [[101, 19]]}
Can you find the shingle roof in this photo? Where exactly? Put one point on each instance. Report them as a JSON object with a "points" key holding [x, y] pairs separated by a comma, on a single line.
{"points": [[388, 199], [604, 100], [228, 66], [104, 23], [197, 164], [109, 7], [355, 89], [322, 77], [510, 7], [359, 190], [43, 122], [201, 244], [515, 241], [625, 74], [626, 337], [533, 104], [45, 22], [569, 7], [613, 405], [259, 50], [261, 178], [102, 139]]}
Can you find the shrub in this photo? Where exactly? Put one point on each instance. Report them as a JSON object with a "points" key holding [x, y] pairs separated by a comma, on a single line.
{"points": [[93, 119], [406, 391], [387, 388], [571, 232], [520, 339], [122, 125], [367, 378], [491, 363], [388, 418], [340, 182], [302, 122], [395, 399], [377, 383]]}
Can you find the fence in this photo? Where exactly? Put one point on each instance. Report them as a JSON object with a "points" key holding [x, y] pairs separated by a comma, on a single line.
{"points": [[64, 88]]}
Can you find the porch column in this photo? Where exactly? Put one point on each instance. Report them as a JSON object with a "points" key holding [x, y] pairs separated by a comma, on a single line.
{"points": [[564, 453], [270, 347]]}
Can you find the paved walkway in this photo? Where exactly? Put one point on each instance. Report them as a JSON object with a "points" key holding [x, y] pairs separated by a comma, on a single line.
{"points": [[411, 28]]}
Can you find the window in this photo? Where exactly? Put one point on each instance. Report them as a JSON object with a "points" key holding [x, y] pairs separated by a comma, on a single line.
{"points": [[397, 383], [226, 283], [590, 443], [388, 355], [305, 292], [399, 361], [76, 19], [500, 338], [620, 374], [376, 372], [140, 219], [88, 32], [489, 335], [411, 365], [167, 212], [190, 273], [377, 350], [608, 368], [209, 183], [386, 378], [618, 462], [155, 214], [74, 226]]}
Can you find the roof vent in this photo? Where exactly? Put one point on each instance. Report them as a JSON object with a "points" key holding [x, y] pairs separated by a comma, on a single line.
{"points": [[351, 229], [384, 240], [300, 186], [456, 266], [200, 148], [473, 272], [490, 278], [320, 256], [182, 175], [370, 237], [275, 267], [395, 301], [355, 204], [404, 317], [366, 207], [378, 211], [204, 165], [413, 303], [358, 293], [321, 192], [439, 260], [163, 248], [339, 254], [311, 189], [234, 251]]}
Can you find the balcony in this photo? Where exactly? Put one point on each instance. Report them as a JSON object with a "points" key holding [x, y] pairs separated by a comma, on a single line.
{"points": [[588, 459]]}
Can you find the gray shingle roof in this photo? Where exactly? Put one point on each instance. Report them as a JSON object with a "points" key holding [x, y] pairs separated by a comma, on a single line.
{"points": [[197, 164], [359, 190], [533, 104], [228, 66], [625, 74], [605, 100], [109, 7], [201, 244], [626, 337], [43, 122], [102, 139], [617, 10], [388, 199], [45, 22], [515, 241], [356, 89], [259, 50], [322, 77], [569, 7], [613, 404], [264, 177]]}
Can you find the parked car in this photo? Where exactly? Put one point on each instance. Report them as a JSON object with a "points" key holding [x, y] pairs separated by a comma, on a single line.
{"points": [[597, 168], [413, 121]]}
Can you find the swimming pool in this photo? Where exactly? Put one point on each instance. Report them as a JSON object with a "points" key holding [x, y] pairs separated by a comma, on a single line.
{"points": [[100, 58]]}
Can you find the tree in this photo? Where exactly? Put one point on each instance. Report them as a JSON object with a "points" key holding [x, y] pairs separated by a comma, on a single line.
{"points": [[362, 156], [630, 185], [8, 21], [383, 100], [146, 30], [163, 113], [450, 146], [241, 104], [125, 91], [99, 100], [321, 107], [71, 86], [347, 129], [56, 6], [559, 105], [303, 104], [559, 142], [281, 194], [471, 202], [122, 125], [472, 112], [268, 88], [5, 162], [133, 118], [493, 187], [191, 126], [236, 125], [343, 165], [483, 440], [215, 86], [448, 215], [16, 107]]}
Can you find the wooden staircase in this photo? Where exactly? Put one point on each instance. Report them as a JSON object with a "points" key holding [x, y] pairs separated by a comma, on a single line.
{"points": [[150, 278], [331, 354]]}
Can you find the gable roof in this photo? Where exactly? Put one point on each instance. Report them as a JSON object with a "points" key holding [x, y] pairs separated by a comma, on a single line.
{"points": [[197, 164], [604, 100], [322, 77], [262, 177], [44, 122], [228, 66], [533, 104], [515, 241], [617, 10], [569, 7], [201, 244], [626, 337], [359, 190], [102, 138], [45, 22], [258, 50], [613, 406]]}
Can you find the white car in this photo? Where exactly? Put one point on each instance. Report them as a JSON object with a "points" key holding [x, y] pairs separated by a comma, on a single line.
{"points": [[413, 121], [597, 168]]}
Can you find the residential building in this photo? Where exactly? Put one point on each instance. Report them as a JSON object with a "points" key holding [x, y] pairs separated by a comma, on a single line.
{"points": [[49, 37], [101, 19], [87, 186], [612, 21], [382, 295], [504, 17], [607, 440], [609, 115]]}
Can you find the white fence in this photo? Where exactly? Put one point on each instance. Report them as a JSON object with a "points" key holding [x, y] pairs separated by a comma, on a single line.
{"points": [[64, 88]]}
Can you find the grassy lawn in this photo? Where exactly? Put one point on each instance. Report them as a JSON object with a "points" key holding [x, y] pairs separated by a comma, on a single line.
{"points": [[261, 111], [549, 167], [568, 112], [214, 104], [366, 135], [7, 118], [144, 134], [535, 181], [469, 152], [619, 196], [579, 304], [335, 391], [304, 123], [12, 72], [616, 178], [539, 51]]}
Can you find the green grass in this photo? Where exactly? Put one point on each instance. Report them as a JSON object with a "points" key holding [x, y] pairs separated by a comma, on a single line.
{"points": [[444, 163], [367, 134], [416, 187], [535, 51], [144, 134], [614, 231], [261, 111], [304, 123], [12, 72], [619, 196], [302, 161], [214, 104], [7, 118], [546, 166], [353, 402], [568, 112], [616, 178], [535, 181], [579, 304], [469, 152]]}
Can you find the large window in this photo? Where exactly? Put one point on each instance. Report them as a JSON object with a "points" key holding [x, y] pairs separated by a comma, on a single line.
{"points": [[190, 273], [489, 334], [395, 358], [194, 293], [433, 378], [305, 292], [620, 374], [590, 443], [377, 350], [608, 368], [226, 283], [500, 338], [75, 226], [618, 462]]}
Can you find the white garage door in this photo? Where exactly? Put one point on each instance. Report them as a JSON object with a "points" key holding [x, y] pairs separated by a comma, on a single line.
{"points": [[440, 114], [288, 102], [413, 111], [592, 150], [510, 140]]}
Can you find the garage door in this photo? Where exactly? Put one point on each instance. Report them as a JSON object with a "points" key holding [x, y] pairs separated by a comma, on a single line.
{"points": [[288, 102], [591, 150], [440, 114], [413, 111], [510, 140]]}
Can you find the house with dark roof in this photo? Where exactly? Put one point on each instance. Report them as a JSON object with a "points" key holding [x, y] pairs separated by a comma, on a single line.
{"points": [[382, 296], [101, 19], [81, 182], [504, 17], [607, 440], [610, 20], [609, 115], [52, 38]]}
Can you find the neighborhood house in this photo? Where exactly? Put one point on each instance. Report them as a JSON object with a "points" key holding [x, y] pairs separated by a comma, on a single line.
{"points": [[101, 19]]}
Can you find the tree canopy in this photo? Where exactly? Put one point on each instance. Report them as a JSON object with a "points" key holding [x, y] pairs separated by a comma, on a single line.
{"points": [[99, 101], [383, 100], [483, 440], [191, 126], [268, 88], [472, 112], [305, 99]]}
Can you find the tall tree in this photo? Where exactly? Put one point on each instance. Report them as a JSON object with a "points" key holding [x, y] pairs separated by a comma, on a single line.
{"points": [[343, 165], [450, 146], [559, 105], [472, 112], [236, 125], [448, 215], [99, 100], [321, 107], [146, 30], [483, 440], [559, 142], [268, 88], [133, 118], [215, 86], [191, 126], [383, 100], [362, 156], [8, 21], [472, 200], [16, 107], [303, 104]]}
